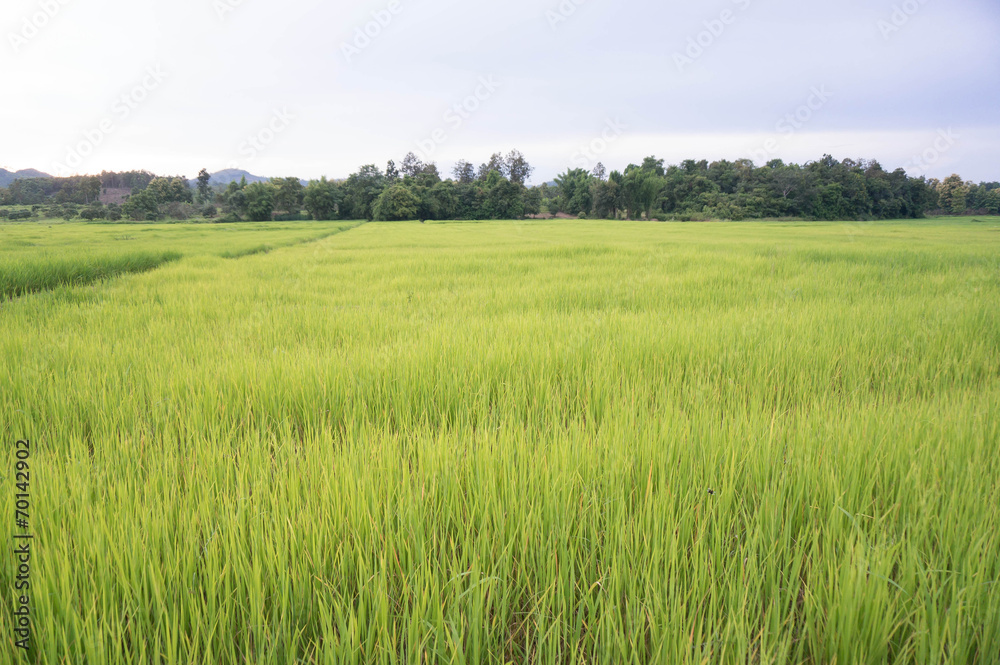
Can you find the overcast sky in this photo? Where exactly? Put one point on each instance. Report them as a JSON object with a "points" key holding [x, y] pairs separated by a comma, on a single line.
{"points": [[297, 87]]}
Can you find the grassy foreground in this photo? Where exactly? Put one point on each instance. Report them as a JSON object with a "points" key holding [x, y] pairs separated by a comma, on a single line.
{"points": [[544, 442], [35, 258]]}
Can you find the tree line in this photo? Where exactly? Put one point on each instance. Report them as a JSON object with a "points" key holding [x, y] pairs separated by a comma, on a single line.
{"points": [[737, 190], [826, 189]]}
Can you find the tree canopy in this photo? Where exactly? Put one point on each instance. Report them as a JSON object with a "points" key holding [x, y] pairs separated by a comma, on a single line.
{"points": [[826, 189]]}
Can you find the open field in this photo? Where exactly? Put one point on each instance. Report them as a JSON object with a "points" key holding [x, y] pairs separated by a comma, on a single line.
{"points": [[37, 258], [31, 240], [524, 442]]}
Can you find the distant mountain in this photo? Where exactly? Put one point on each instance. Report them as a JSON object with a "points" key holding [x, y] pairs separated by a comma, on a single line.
{"points": [[232, 175], [222, 178], [7, 177]]}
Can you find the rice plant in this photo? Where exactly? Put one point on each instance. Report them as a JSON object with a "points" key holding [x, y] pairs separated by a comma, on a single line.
{"points": [[21, 277], [518, 442]]}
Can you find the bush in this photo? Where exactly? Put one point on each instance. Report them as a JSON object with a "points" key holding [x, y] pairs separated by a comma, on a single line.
{"points": [[69, 211], [209, 212], [19, 214], [91, 213], [693, 217], [178, 211]]}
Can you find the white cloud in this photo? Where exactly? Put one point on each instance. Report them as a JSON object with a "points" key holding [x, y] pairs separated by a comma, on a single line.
{"points": [[559, 85]]}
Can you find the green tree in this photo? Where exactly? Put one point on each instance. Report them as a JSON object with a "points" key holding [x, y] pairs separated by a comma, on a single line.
{"points": [[518, 170], [533, 201], [235, 197], [260, 198], [443, 200], [502, 199], [204, 186], [785, 180], [468, 200], [26, 192], [574, 191], [391, 172], [497, 163], [606, 195], [411, 165], [322, 198], [655, 166], [171, 190], [992, 201], [396, 203], [288, 194], [141, 206], [640, 188], [90, 189], [361, 191], [830, 204], [464, 172], [952, 193]]}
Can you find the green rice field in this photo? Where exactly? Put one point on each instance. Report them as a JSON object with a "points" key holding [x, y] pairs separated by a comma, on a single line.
{"points": [[552, 442]]}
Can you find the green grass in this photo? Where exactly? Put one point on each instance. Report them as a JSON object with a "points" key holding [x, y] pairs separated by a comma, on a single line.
{"points": [[67, 238], [526, 442], [40, 257], [21, 277], [260, 249], [265, 249]]}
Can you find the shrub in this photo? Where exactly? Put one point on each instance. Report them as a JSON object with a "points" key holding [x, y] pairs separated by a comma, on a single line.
{"points": [[91, 213], [178, 211]]}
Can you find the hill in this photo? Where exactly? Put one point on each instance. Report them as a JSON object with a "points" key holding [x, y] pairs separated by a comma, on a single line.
{"points": [[7, 177], [227, 176]]}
